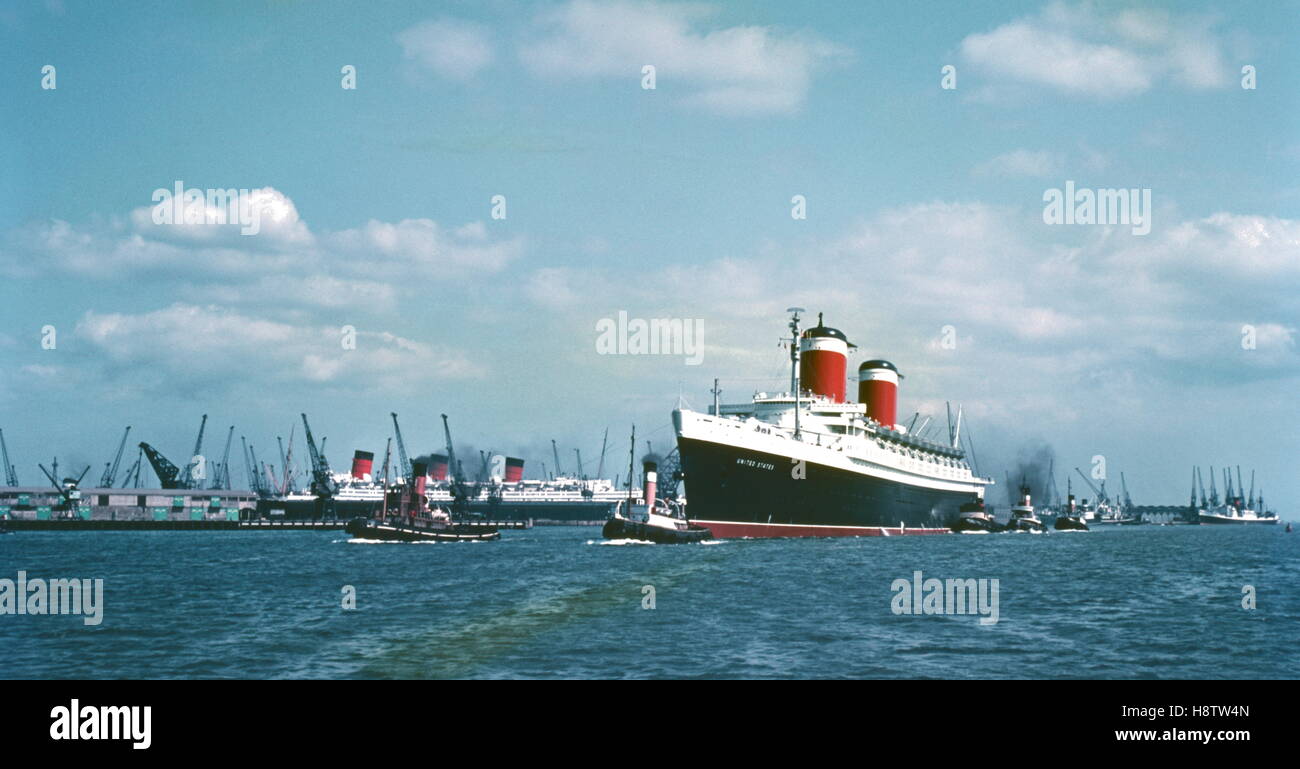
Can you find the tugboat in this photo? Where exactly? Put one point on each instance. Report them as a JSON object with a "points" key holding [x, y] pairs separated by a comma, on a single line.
{"points": [[1070, 519], [974, 519], [655, 521], [1022, 515], [415, 521]]}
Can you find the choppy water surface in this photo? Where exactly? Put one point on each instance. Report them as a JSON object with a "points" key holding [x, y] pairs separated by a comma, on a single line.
{"points": [[1163, 602]]}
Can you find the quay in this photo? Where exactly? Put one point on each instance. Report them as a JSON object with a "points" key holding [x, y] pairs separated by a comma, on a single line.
{"points": [[211, 524]]}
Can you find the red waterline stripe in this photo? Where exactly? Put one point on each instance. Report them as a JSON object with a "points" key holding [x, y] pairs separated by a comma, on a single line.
{"points": [[732, 529]]}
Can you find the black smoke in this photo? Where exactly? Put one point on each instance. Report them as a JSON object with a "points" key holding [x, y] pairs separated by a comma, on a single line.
{"points": [[1035, 465]]}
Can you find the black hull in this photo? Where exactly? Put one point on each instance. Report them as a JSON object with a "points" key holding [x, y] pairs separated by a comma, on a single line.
{"points": [[1065, 523], [742, 492], [622, 528], [364, 528], [1022, 524], [976, 526]]}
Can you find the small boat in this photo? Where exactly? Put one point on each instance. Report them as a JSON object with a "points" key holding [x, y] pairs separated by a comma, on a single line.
{"points": [[436, 526], [664, 523], [973, 518], [1070, 523], [1070, 519], [414, 520], [1022, 515]]}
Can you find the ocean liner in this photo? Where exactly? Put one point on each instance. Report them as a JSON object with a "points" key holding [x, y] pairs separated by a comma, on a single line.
{"points": [[560, 500], [810, 463]]}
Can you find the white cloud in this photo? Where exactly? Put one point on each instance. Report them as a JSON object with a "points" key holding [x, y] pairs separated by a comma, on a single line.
{"points": [[553, 287], [285, 261], [1021, 163], [266, 217], [1086, 50], [186, 344], [424, 247], [451, 48], [735, 70], [1115, 315]]}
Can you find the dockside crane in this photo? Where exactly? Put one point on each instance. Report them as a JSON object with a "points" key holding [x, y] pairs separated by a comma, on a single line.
{"points": [[604, 442], [1250, 500], [248, 468], [284, 466], [402, 458], [558, 472], [1123, 487], [259, 474], [223, 472], [452, 467], [460, 491], [186, 478], [1214, 490], [68, 489], [109, 477], [322, 481], [290, 486], [1200, 484], [168, 473], [1100, 495], [132, 479], [11, 477], [388, 455], [579, 473]]}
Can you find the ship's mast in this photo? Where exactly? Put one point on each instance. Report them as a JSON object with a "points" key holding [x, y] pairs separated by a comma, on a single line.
{"points": [[631, 464], [794, 363]]}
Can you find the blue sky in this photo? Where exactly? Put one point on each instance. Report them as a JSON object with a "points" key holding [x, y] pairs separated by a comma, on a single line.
{"points": [[924, 211]]}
